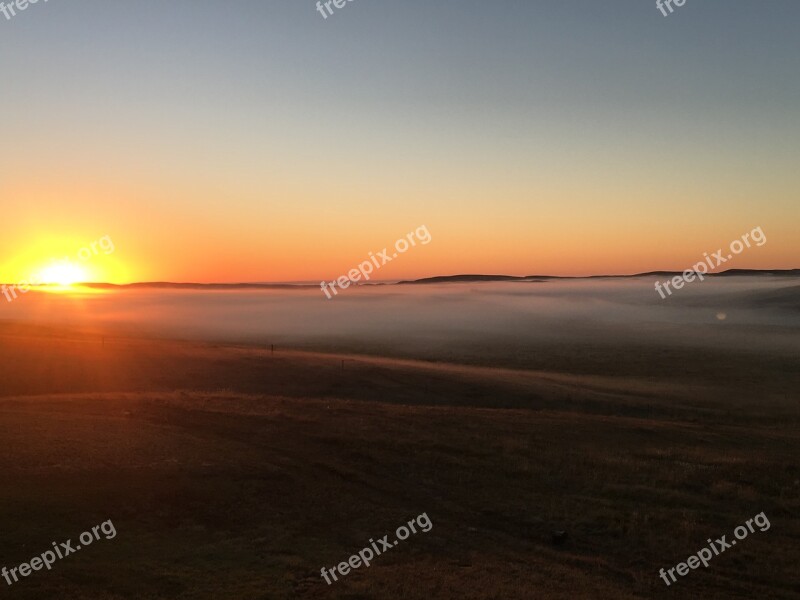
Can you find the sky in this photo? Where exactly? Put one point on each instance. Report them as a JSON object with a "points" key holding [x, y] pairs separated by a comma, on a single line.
{"points": [[255, 140]]}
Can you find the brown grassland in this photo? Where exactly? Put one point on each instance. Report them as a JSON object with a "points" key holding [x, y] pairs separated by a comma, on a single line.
{"points": [[233, 473]]}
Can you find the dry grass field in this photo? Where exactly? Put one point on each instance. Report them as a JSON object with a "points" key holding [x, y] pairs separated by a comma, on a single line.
{"points": [[233, 473]]}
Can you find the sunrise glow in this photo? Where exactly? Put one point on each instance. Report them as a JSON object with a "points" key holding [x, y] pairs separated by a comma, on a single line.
{"points": [[64, 274]]}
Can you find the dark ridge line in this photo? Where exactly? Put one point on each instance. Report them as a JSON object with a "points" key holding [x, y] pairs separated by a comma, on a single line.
{"points": [[467, 278], [535, 278]]}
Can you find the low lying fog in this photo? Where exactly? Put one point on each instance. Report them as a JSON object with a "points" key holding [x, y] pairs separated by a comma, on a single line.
{"points": [[447, 319]]}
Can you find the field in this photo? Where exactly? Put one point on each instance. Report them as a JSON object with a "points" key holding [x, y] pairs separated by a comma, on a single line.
{"points": [[234, 472]]}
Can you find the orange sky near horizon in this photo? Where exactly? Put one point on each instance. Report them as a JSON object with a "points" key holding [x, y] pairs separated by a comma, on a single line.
{"points": [[181, 236]]}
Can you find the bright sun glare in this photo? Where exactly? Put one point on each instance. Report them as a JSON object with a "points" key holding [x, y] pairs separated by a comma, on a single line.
{"points": [[63, 274]]}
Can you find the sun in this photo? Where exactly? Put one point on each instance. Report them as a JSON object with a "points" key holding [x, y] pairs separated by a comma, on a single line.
{"points": [[64, 274]]}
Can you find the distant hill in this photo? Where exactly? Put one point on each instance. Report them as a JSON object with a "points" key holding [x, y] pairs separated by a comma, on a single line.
{"points": [[534, 278], [465, 278], [778, 272]]}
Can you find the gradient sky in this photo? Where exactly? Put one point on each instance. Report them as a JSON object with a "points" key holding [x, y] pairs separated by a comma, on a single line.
{"points": [[255, 141]]}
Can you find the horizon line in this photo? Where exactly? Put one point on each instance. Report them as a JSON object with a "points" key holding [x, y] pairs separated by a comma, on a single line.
{"points": [[462, 277]]}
